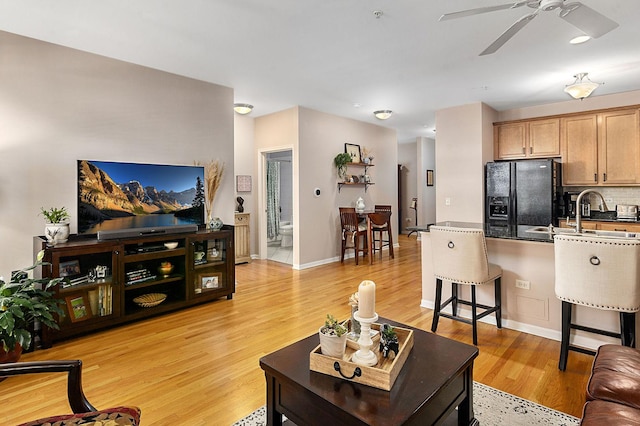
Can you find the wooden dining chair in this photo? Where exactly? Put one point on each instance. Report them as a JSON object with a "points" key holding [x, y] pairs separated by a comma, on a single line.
{"points": [[378, 223], [351, 233]]}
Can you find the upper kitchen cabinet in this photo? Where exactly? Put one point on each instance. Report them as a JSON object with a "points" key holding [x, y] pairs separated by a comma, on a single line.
{"points": [[527, 139], [601, 149]]}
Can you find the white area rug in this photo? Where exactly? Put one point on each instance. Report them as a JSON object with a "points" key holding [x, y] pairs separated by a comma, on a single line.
{"points": [[491, 407]]}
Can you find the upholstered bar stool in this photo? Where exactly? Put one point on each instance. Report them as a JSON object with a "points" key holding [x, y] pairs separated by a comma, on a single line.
{"points": [[460, 256], [597, 272]]}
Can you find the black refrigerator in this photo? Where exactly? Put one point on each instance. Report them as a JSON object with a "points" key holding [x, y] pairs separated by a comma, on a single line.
{"points": [[523, 192]]}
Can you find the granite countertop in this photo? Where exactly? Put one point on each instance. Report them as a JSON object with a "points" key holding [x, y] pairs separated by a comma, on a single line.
{"points": [[504, 232]]}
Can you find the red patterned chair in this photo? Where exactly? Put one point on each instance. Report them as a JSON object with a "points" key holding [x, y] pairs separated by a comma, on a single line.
{"points": [[84, 412]]}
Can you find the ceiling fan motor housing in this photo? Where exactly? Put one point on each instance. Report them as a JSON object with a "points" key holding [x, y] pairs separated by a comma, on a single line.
{"points": [[548, 5]]}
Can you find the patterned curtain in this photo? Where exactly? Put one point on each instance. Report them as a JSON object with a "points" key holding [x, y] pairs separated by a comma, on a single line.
{"points": [[273, 199]]}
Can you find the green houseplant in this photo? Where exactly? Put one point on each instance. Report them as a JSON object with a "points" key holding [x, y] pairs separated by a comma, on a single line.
{"points": [[56, 229], [340, 161], [23, 301]]}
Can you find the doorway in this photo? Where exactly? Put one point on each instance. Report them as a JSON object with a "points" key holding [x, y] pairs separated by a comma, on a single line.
{"points": [[278, 201]]}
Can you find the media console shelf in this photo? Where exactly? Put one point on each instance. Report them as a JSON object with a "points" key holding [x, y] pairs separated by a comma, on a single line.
{"points": [[117, 281]]}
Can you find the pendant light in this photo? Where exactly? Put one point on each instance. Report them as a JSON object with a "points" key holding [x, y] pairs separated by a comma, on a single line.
{"points": [[582, 86]]}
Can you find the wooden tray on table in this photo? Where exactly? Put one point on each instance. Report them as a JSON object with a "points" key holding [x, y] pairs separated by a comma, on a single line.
{"points": [[382, 375]]}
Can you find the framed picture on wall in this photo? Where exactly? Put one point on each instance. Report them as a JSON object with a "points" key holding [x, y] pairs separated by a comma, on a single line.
{"points": [[353, 151], [243, 183], [429, 177]]}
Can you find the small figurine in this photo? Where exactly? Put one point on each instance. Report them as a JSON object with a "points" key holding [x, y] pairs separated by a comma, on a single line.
{"points": [[388, 341], [240, 201]]}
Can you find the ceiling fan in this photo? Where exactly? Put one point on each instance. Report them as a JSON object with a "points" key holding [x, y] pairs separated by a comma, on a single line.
{"points": [[584, 18]]}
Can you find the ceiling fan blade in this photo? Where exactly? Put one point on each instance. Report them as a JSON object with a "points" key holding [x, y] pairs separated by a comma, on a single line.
{"points": [[587, 20], [510, 32], [470, 12]]}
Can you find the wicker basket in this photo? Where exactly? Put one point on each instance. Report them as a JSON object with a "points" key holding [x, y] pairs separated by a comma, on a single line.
{"points": [[150, 300]]}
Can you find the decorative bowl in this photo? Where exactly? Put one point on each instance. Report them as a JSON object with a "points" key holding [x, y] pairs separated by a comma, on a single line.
{"points": [[150, 300], [165, 269], [171, 245]]}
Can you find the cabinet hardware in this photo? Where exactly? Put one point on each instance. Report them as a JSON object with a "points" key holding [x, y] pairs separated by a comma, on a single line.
{"points": [[604, 176]]}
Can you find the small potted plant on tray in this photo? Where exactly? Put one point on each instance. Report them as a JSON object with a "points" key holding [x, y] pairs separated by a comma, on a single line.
{"points": [[56, 228], [333, 337], [24, 300]]}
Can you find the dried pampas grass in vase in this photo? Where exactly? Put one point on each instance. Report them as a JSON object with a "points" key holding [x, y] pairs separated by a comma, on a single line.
{"points": [[212, 177]]}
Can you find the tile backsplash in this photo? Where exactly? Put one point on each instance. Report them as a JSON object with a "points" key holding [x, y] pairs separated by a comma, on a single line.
{"points": [[612, 195]]}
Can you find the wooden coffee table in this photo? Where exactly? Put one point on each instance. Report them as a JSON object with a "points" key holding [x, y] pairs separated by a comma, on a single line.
{"points": [[436, 378]]}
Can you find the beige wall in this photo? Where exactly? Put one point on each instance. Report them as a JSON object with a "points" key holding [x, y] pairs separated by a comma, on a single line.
{"points": [[244, 161], [59, 105], [315, 139], [462, 148]]}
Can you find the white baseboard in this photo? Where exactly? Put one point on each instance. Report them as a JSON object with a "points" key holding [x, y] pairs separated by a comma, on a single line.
{"points": [[590, 341]]}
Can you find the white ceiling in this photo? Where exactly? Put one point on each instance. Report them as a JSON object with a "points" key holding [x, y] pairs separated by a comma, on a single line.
{"points": [[331, 54]]}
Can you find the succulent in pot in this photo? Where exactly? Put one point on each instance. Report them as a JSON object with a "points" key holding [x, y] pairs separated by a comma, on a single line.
{"points": [[23, 301], [56, 229], [333, 337]]}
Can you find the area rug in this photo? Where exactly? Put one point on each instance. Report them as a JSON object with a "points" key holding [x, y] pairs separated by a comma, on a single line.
{"points": [[491, 407]]}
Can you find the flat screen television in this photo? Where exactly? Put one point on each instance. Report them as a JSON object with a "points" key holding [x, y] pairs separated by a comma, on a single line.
{"points": [[115, 196]]}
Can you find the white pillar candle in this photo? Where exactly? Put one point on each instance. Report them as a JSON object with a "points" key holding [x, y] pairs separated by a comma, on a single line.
{"points": [[367, 299]]}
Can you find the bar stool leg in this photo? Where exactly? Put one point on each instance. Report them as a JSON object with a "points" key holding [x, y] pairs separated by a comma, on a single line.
{"points": [[454, 299], [628, 329], [566, 330], [474, 315], [498, 300], [436, 307]]}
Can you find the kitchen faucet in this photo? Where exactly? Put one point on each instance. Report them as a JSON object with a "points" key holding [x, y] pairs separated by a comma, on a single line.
{"points": [[603, 207]]}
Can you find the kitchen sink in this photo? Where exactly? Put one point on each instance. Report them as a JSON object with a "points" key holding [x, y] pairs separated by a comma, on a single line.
{"points": [[552, 230]]}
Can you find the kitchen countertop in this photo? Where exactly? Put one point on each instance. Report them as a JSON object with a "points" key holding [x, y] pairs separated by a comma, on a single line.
{"points": [[504, 232]]}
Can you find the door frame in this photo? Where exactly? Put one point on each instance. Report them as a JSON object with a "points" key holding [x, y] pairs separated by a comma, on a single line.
{"points": [[262, 200]]}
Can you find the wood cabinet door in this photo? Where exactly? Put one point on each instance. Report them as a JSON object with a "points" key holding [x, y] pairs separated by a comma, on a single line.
{"points": [[544, 138], [510, 141], [619, 142], [619, 226], [579, 143]]}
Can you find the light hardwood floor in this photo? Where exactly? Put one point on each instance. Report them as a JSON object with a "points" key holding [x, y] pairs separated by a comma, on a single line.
{"points": [[200, 366]]}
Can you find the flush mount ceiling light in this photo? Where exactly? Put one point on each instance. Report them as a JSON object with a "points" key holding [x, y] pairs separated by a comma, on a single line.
{"points": [[580, 39], [383, 114], [242, 108], [582, 87]]}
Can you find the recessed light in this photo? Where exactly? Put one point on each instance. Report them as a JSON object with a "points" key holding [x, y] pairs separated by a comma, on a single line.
{"points": [[579, 39], [357, 105]]}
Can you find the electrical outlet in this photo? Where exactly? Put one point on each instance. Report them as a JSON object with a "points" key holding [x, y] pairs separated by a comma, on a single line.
{"points": [[447, 201], [525, 285]]}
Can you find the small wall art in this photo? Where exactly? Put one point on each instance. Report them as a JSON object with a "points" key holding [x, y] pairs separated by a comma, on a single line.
{"points": [[243, 183], [429, 177], [353, 151]]}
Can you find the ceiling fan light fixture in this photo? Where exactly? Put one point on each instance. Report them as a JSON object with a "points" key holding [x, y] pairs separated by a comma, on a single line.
{"points": [[580, 88], [383, 114], [242, 108]]}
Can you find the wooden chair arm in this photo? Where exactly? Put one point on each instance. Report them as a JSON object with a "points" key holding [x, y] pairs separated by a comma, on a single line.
{"points": [[77, 401]]}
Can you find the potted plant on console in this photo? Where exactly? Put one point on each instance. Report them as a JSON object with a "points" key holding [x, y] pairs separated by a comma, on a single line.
{"points": [[56, 228], [23, 301], [333, 337], [340, 161]]}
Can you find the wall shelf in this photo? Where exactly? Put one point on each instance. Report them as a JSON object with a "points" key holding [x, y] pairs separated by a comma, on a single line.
{"points": [[364, 184]]}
